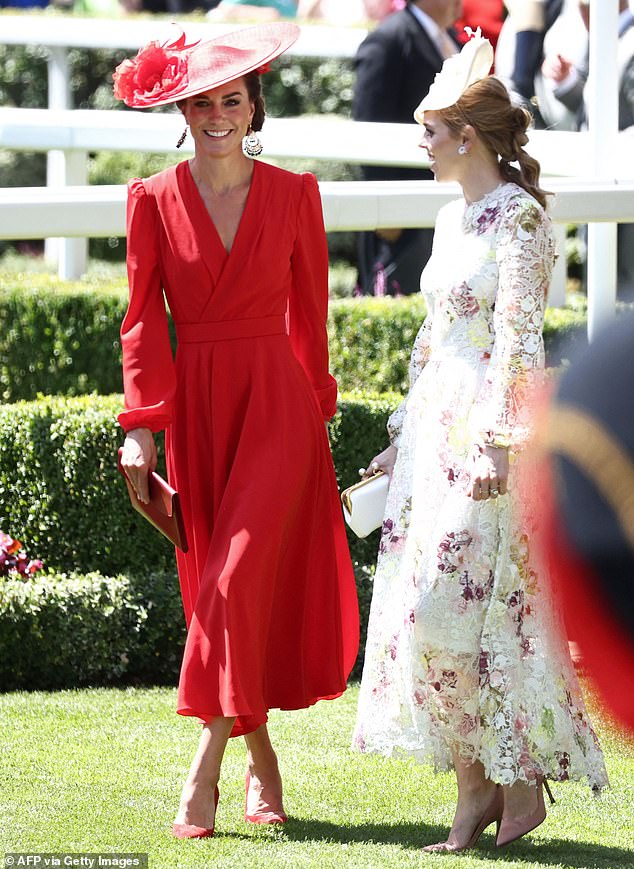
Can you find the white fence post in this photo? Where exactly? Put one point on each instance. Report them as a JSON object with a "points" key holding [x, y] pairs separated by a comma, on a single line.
{"points": [[64, 168], [557, 291], [603, 90]]}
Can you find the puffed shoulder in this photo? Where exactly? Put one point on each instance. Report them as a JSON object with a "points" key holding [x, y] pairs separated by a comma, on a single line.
{"points": [[310, 185], [136, 188]]}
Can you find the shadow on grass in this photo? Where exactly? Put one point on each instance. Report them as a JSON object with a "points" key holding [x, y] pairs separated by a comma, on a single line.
{"points": [[416, 836]]}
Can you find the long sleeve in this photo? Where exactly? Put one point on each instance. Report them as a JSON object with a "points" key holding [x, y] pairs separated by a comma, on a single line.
{"points": [[149, 379], [525, 257], [308, 303], [418, 360]]}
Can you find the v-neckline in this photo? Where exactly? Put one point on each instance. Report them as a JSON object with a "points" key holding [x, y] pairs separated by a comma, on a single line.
{"points": [[203, 207]]}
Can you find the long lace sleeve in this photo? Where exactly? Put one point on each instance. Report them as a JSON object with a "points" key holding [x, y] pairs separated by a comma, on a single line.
{"points": [[418, 360], [525, 257]]}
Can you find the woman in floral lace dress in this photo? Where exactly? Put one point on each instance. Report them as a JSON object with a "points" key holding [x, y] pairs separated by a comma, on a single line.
{"points": [[465, 666]]}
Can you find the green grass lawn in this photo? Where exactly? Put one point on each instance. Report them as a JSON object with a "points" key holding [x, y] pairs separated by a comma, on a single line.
{"points": [[100, 771]]}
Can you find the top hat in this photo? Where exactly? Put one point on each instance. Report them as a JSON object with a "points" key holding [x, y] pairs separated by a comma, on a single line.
{"points": [[173, 71]]}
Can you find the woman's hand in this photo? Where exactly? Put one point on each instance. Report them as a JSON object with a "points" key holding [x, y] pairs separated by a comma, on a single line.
{"points": [[383, 462], [489, 473], [138, 459]]}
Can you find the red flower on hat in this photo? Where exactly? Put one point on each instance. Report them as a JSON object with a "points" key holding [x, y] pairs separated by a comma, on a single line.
{"points": [[157, 71]]}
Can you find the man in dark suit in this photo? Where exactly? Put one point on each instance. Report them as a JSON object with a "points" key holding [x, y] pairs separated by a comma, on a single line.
{"points": [[396, 65]]}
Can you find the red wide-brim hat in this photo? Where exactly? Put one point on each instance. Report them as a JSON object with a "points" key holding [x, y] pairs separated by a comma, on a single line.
{"points": [[169, 72]]}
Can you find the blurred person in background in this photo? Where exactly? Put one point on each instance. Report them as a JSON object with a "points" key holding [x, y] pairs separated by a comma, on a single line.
{"points": [[395, 64], [178, 6], [349, 11], [522, 42], [570, 86], [254, 10], [587, 477], [488, 15]]}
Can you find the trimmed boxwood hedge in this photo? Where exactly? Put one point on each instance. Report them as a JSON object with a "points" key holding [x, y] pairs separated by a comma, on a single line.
{"points": [[62, 496], [65, 341], [68, 630]]}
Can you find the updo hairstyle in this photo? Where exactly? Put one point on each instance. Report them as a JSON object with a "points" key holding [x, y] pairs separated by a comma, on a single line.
{"points": [[501, 126]]}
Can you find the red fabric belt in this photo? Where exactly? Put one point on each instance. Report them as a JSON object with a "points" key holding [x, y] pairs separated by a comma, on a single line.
{"points": [[229, 330]]}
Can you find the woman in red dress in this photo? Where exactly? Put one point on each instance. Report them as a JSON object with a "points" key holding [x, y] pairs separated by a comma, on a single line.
{"points": [[238, 249]]}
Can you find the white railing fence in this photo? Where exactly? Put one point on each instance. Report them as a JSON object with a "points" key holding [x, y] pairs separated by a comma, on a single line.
{"points": [[605, 197]]}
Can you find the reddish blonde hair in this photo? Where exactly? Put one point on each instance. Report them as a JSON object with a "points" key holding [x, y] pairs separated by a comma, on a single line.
{"points": [[501, 126]]}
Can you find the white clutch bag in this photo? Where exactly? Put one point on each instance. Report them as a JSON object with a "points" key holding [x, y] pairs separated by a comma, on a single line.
{"points": [[364, 504]]}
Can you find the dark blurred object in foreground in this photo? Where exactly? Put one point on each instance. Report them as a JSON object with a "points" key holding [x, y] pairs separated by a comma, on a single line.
{"points": [[589, 482]]}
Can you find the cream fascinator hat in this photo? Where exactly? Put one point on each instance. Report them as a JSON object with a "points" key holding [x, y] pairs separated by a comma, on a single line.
{"points": [[458, 72]]}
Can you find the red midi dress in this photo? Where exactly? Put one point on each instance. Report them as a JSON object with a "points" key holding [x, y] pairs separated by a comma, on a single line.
{"points": [[267, 584]]}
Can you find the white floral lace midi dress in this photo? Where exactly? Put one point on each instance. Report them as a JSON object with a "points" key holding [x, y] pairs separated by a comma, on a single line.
{"points": [[463, 649]]}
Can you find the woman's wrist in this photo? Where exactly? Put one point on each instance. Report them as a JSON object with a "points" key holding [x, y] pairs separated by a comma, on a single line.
{"points": [[494, 440]]}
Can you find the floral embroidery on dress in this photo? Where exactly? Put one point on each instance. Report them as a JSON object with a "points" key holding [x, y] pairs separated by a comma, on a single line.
{"points": [[463, 301], [463, 646], [393, 532]]}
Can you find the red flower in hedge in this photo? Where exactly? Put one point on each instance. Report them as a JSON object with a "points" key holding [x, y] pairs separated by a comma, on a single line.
{"points": [[14, 560], [157, 69]]}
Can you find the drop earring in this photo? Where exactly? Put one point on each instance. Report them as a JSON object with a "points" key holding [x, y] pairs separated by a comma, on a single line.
{"points": [[251, 145], [462, 150], [182, 138]]}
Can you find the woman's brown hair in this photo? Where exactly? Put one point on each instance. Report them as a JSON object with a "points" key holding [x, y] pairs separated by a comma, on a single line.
{"points": [[501, 126], [253, 84]]}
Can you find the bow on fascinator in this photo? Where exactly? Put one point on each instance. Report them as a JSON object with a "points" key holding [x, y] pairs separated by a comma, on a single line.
{"points": [[458, 73], [156, 69]]}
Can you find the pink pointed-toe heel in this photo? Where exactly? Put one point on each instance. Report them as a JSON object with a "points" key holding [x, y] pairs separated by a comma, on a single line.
{"points": [[510, 831], [270, 817], [492, 814], [191, 831]]}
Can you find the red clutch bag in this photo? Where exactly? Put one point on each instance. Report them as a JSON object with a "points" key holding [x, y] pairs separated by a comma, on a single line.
{"points": [[163, 509]]}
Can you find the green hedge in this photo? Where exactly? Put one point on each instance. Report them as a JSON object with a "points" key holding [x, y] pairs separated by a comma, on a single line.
{"points": [[68, 630], [61, 631], [61, 494], [66, 340]]}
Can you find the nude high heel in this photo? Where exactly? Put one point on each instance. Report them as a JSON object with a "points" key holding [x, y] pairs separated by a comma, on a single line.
{"points": [[270, 817], [510, 831], [191, 831], [493, 813]]}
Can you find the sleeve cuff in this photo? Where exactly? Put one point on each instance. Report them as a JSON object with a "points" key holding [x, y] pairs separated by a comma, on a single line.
{"points": [[327, 398], [155, 418]]}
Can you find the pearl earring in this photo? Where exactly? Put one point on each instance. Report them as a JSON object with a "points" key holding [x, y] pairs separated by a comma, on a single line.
{"points": [[462, 150]]}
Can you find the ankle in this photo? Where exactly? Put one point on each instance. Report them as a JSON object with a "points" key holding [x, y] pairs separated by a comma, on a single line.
{"points": [[263, 769], [476, 790]]}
